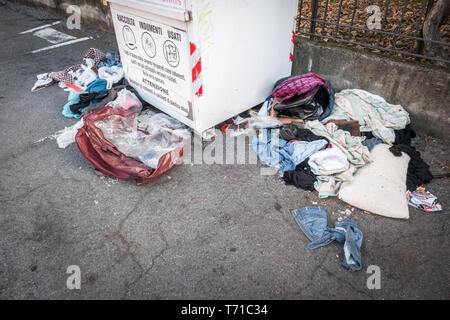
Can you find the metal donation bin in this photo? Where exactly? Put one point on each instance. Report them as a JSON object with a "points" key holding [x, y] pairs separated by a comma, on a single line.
{"points": [[204, 61]]}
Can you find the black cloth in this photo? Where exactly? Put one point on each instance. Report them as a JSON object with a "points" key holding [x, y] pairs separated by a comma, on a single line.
{"points": [[404, 136], [367, 134], [308, 111], [302, 177], [295, 131], [85, 100], [112, 95], [418, 171]]}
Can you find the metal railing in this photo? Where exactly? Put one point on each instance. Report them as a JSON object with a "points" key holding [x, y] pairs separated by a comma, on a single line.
{"points": [[393, 26]]}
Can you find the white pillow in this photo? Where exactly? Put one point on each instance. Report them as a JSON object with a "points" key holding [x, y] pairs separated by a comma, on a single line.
{"points": [[380, 186]]}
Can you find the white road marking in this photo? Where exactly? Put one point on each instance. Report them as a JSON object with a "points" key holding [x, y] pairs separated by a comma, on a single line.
{"points": [[60, 44], [41, 27], [53, 36]]}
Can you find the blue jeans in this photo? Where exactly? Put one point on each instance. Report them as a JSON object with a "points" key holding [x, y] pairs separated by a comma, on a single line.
{"points": [[312, 221], [273, 150], [296, 152]]}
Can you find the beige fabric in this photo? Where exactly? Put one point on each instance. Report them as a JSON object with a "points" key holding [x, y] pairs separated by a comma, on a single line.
{"points": [[379, 187]]}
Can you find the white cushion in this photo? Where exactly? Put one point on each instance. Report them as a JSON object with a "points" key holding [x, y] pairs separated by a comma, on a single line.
{"points": [[380, 186]]}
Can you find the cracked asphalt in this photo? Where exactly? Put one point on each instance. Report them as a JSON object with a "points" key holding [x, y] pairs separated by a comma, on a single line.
{"points": [[199, 232]]}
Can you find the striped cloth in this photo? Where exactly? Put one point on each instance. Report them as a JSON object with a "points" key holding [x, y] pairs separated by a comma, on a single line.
{"points": [[67, 75]]}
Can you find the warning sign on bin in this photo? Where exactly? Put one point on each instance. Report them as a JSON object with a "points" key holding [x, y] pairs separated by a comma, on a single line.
{"points": [[156, 60]]}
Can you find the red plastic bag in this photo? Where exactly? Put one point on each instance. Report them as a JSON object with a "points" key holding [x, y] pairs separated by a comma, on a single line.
{"points": [[108, 161]]}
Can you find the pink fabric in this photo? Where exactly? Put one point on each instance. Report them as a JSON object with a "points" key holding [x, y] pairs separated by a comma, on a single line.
{"points": [[130, 102], [299, 85]]}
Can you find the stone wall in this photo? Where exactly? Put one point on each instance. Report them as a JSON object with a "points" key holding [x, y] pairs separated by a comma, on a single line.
{"points": [[422, 90]]}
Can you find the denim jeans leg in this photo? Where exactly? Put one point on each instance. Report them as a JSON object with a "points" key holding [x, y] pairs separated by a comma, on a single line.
{"points": [[312, 220]]}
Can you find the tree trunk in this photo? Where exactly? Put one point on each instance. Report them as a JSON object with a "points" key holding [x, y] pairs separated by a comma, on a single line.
{"points": [[431, 26]]}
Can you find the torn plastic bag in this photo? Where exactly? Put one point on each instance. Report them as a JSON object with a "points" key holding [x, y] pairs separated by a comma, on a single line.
{"points": [[162, 135], [148, 121], [257, 121], [126, 100], [42, 81], [108, 160], [261, 119], [66, 136], [85, 75], [111, 74]]}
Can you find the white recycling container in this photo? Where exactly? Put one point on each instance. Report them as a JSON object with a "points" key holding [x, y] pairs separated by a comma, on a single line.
{"points": [[204, 61]]}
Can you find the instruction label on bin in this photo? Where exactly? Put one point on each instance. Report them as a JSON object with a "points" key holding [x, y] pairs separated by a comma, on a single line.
{"points": [[156, 60]]}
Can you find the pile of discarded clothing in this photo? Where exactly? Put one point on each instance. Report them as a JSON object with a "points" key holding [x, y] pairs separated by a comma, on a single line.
{"points": [[117, 133], [351, 144]]}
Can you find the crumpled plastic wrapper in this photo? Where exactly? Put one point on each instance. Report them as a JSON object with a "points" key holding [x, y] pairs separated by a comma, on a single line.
{"points": [[146, 137]]}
